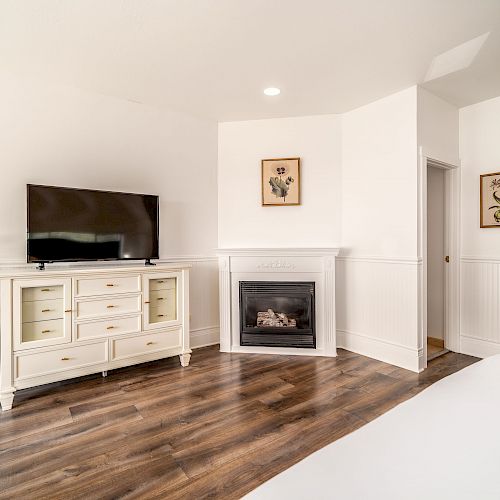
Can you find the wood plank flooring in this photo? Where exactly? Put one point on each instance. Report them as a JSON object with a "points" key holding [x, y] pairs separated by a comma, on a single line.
{"points": [[216, 429]]}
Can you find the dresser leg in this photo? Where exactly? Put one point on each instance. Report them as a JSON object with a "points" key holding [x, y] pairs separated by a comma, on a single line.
{"points": [[185, 359], [6, 400], [105, 373]]}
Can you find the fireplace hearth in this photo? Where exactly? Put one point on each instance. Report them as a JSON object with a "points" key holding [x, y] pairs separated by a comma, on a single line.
{"points": [[277, 314]]}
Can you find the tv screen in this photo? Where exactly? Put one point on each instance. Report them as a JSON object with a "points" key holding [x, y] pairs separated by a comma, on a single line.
{"points": [[66, 224]]}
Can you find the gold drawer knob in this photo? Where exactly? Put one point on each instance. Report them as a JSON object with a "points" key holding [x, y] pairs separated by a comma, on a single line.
{"points": [[110, 306], [110, 284], [64, 359], [110, 327], [150, 343], [46, 310], [46, 331]]}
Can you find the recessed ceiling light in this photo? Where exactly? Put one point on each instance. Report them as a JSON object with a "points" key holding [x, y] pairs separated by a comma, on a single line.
{"points": [[272, 91]]}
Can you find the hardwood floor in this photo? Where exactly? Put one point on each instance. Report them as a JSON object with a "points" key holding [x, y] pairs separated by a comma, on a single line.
{"points": [[216, 429]]}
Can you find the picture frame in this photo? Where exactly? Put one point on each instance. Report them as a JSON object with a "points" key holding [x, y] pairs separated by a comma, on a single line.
{"points": [[489, 200], [280, 182]]}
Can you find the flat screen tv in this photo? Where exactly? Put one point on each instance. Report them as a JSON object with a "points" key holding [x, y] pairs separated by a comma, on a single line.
{"points": [[67, 224]]}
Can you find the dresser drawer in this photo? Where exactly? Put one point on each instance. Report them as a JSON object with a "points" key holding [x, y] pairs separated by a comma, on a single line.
{"points": [[162, 284], [107, 327], [165, 312], [86, 287], [43, 363], [110, 306], [143, 344], [43, 293], [160, 297], [40, 310], [43, 330]]}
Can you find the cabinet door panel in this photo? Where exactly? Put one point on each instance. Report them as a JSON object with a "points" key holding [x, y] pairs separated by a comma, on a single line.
{"points": [[41, 312], [161, 299]]}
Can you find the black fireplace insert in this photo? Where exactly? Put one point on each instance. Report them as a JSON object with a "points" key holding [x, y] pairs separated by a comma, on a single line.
{"points": [[277, 314]]}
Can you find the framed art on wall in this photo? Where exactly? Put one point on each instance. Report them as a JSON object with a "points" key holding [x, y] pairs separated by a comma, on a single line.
{"points": [[281, 182], [490, 200]]}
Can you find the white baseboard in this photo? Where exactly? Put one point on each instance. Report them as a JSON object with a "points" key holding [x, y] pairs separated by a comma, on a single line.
{"points": [[394, 354], [478, 347], [202, 337]]}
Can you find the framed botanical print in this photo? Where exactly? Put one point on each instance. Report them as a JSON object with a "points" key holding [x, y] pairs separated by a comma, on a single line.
{"points": [[281, 182], [490, 200]]}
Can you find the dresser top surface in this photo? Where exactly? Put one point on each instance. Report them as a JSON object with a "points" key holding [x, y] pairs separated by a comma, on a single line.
{"points": [[29, 271]]}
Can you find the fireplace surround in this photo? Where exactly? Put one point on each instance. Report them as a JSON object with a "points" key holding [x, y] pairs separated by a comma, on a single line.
{"points": [[252, 267]]}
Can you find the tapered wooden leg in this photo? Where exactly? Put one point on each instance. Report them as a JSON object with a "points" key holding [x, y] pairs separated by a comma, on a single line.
{"points": [[6, 400], [185, 359]]}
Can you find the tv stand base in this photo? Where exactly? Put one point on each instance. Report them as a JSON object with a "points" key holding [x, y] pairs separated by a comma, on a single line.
{"points": [[149, 263], [41, 266]]}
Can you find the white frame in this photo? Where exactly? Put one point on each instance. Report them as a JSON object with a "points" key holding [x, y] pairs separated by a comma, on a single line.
{"points": [[146, 325], [17, 310], [452, 248]]}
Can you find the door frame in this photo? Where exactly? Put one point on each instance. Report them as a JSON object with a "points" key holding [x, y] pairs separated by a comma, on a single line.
{"points": [[452, 248]]}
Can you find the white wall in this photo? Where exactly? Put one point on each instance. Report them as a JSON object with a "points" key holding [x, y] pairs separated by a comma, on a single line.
{"points": [[377, 276], [480, 266], [243, 222], [437, 127], [63, 136]]}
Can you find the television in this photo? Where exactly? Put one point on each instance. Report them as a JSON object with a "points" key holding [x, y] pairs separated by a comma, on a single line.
{"points": [[68, 224]]}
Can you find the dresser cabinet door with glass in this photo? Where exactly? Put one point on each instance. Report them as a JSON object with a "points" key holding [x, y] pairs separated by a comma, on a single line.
{"points": [[41, 312], [161, 300]]}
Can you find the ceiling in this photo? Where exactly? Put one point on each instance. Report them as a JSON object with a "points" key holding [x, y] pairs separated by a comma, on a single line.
{"points": [[213, 58]]}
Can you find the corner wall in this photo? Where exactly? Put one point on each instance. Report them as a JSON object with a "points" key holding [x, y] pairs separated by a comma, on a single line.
{"points": [[377, 275]]}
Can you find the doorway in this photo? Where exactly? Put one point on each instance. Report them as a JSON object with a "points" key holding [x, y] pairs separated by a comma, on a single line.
{"points": [[437, 259], [439, 243]]}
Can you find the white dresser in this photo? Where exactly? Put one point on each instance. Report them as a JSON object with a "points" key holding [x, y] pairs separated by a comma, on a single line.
{"points": [[67, 322]]}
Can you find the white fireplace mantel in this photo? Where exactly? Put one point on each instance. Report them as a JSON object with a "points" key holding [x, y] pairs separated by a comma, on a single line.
{"points": [[278, 264]]}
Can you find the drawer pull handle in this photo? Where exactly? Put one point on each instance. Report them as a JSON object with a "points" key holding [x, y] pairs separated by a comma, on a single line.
{"points": [[160, 298], [161, 315], [110, 284], [110, 327], [45, 290], [160, 281], [150, 343], [46, 310], [110, 306], [64, 359], [67, 311], [46, 331], [146, 302]]}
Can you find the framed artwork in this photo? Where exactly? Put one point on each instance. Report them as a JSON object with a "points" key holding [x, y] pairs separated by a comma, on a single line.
{"points": [[490, 200], [280, 182]]}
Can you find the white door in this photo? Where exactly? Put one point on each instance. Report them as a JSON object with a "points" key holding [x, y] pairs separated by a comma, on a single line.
{"points": [[436, 259]]}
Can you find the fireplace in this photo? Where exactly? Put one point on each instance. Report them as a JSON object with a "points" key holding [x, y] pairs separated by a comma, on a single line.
{"points": [[277, 314]]}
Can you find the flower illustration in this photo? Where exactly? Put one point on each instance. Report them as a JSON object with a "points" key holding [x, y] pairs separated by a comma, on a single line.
{"points": [[495, 184], [279, 184], [280, 169]]}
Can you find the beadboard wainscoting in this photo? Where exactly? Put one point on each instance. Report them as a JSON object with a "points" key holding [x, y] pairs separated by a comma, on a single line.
{"points": [[377, 309], [204, 294], [480, 306]]}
